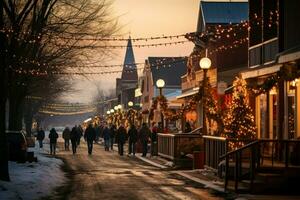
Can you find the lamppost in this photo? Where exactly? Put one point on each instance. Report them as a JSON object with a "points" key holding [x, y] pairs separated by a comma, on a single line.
{"points": [[160, 83], [130, 110], [205, 64]]}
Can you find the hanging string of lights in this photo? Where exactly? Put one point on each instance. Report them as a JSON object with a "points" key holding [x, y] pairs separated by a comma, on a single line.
{"points": [[66, 113]]}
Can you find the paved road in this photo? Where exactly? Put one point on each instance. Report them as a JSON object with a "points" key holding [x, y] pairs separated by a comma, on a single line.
{"points": [[106, 175]]}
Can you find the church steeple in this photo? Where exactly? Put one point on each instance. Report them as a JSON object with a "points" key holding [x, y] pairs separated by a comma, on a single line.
{"points": [[129, 68]]}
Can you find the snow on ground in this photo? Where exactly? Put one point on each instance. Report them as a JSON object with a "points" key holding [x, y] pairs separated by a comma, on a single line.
{"points": [[33, 180]]}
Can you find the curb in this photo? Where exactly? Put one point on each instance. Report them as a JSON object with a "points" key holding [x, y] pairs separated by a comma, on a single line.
{"points": [[207, 184], [151, 162]]}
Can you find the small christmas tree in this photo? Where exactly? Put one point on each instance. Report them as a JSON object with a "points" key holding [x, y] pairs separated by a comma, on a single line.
{"points": [[239, 121]]}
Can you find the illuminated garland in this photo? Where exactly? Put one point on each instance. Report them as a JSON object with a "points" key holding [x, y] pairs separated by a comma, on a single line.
{"points": [[66, 113], [163, 103]]}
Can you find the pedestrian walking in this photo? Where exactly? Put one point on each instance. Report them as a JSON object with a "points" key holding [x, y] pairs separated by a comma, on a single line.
{"points": [[66, 135], [133, 137], [144, 138], [40, 137], [154, 141], [73, 137], [97, 129], [106, 137], [121, 138], [53, 140], [90, 136], [79, 134], [112, 136]]}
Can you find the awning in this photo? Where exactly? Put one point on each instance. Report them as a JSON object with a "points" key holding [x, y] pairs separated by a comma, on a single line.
{"points": [[261, 72], [187, 94], [289, 55]]}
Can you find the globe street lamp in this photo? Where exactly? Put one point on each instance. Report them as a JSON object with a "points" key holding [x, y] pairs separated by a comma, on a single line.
{"points": [[112, 110], [160, 83], [119, 106], [130, 103], [116, 108], [108, 112], [205, 64]]}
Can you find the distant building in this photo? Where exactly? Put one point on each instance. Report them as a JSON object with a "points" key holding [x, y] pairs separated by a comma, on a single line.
{"points": [[126, 85]]}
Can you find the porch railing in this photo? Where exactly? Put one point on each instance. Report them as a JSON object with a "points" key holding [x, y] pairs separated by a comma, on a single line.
{"points": [[258, 155], [174, 146], [214, 148]]}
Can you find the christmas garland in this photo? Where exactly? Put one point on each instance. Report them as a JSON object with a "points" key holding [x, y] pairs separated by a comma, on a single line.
{"points": [[287, 73], [163, 103]]}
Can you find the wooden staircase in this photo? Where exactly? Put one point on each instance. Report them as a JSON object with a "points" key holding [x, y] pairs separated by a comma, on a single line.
{"points": [[262, 166]]}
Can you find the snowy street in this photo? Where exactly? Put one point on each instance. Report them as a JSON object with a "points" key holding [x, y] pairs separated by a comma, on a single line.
{"points": [[33, 180]]}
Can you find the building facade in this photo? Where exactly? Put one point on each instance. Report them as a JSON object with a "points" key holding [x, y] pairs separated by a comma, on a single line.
{"points": [[274, 39]]}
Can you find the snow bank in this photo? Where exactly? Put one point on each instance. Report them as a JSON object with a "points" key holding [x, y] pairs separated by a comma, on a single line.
{"points": [[33, 180]]}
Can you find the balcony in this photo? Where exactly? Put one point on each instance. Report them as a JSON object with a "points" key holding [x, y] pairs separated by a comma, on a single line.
{"points": [[264, 53], [188, 83]]}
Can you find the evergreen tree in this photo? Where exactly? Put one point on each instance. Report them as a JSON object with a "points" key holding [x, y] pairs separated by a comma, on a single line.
{"points": [[239, 121]]}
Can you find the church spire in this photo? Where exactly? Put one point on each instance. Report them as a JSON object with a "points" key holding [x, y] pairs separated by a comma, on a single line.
{"points": [[129, 68]]}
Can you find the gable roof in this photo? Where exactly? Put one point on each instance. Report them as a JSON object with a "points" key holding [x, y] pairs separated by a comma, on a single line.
{"points": [[221, 13], [170, 69], [129, 71]]}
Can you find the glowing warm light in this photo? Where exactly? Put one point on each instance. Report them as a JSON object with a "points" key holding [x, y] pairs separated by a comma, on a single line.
{"points": [[112, 110], [205, 63], [160, 83], [116, 107], [119, 106], [87, 120], [108, 112], [130, 103]]}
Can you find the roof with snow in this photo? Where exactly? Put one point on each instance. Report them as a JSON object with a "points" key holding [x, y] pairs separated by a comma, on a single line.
{"points": [[221, 13], [129, 67], [170, 69]]}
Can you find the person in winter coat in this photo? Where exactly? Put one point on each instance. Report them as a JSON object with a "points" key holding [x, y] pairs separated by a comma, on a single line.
{"points": [[73, 137], [133, 137], [121, 138], [90, 136], [106, 137], [80, 134], [144, 138], [53, 140], [112, 136], [66, 135], [40, 137], [154, 141]]}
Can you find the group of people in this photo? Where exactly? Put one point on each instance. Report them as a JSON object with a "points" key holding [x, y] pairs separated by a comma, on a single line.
{"points": [[120, 135], [110, 134], [74, 135]]}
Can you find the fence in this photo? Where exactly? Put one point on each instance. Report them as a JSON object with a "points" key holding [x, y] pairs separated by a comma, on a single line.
{"points": [[174, 146]]}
